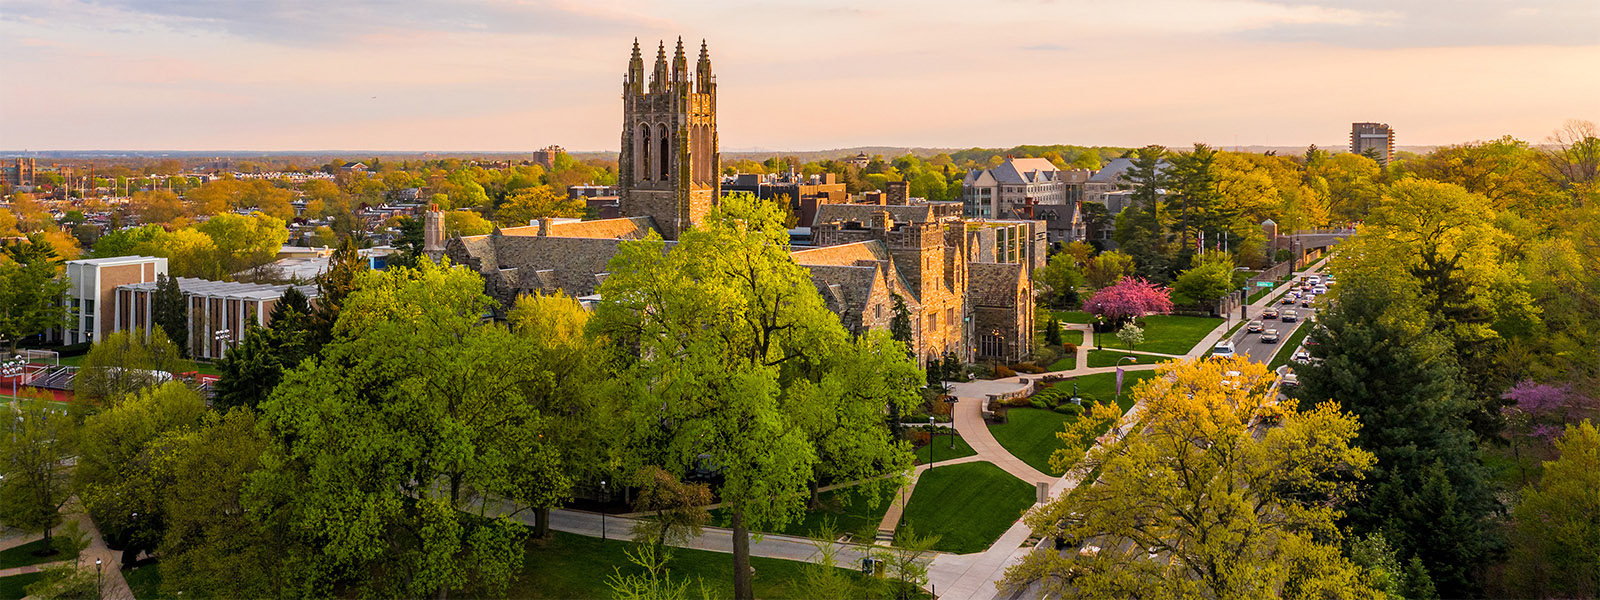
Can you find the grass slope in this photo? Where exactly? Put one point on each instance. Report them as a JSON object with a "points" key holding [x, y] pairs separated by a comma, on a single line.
{"points": [[940, 448], [1170, 334], [1029, 433], [15, 587], [968, 505], [574, 566], [24, 555], [846, 508]]}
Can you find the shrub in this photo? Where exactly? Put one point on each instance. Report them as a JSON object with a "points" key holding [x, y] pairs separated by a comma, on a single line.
{"points": [[1017, 402], [1070, 409], [919, 436], [1039, 403], [1069, 348], [1002, 372], [1028, 367]]}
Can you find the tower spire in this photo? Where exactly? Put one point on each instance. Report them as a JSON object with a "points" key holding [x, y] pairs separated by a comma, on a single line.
{"points": [[658, 79], [680, 64], [635, 81], [702, 71]]}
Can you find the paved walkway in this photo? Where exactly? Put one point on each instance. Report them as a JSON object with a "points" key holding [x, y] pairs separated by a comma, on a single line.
{"points": [[114, 586], [891, 517]]}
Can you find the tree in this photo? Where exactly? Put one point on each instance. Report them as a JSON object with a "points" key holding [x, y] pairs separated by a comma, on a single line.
{"points": [[243, 242], [1573, 156], [907, 562], [1052, 331], [409, 242], [900, 323], [1206, 283], [35, 474], [568, 380], [1130, 335], [1130, 298], [383, 445], [117, 479], [124, 363], [1146, 240], [170, 311], [465, 223], [31, 288], [1194, 183], [677, 509], [1195, 501], [126, 242], [711, 341], [345, 265], [1108, 268], [157, 207], [1382, 359], [253, 368], [1555, 540], [535, 203], [1062, 277], [213, 545]]}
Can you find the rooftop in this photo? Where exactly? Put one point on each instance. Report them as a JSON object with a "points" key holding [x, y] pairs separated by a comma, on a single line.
{"points": [[232, 289]]}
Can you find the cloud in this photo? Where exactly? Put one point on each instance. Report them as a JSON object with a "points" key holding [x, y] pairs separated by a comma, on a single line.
{"points": [[1435, 23], [319, 22]]}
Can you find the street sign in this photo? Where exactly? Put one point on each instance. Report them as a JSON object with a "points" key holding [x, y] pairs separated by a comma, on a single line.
{"points": [[1264, 284]]}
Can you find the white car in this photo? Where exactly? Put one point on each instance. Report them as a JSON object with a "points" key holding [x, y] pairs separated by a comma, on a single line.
{"points": [[1301, 356], [1314, 280], [1319, 290], [1223, 349]]}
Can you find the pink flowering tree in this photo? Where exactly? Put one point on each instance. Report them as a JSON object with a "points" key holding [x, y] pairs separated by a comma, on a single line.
{"points": [[1544, 409], [1130, 298]]}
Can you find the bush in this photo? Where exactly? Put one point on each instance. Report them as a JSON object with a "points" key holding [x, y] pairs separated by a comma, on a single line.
{"points": [[1069, 348], [1028, 367], [919, 436], [1002, 372], [1070, 409], [1017, 402], [1039, 403]]}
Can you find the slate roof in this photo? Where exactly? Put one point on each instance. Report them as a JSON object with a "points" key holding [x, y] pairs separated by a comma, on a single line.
{"points": [[993, 284]]}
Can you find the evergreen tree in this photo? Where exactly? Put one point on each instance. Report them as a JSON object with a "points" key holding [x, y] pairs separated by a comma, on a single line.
{"points": [[900, 323], [1194, 183], [253, 368], [1146, 238], [1052, 332], [170, 311], [1383, 361], [332, 287], [409, 242]]}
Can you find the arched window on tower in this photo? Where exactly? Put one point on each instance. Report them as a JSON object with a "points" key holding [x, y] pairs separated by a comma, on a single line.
{"points": [[641, 167], [666, 157]]}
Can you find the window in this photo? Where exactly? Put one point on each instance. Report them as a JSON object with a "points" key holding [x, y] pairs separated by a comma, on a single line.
{"points": [[991, 345], [644, 154], [877, 311]]}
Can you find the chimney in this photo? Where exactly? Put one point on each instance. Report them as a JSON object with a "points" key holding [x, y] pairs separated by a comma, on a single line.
{"points": [[545, 225], [433, 230], [881, 220], [899, 193]]}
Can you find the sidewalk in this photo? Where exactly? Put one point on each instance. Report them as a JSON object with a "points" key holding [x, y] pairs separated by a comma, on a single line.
{"points": [[891, 517]]}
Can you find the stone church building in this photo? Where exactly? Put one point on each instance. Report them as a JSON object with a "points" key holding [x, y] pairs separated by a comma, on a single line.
{"points": [[967, 284]]}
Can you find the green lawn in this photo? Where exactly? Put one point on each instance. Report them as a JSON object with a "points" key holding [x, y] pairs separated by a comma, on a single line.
{"points": [[1029, 433], [144, 580], [15, 587], [22, 556], [968, 505], [1285, 350], [1109, 358], [1072, 336], [846, 508], [940, 446], [1065, 363], [1072, 316], [574, 566], [1170, 334]]}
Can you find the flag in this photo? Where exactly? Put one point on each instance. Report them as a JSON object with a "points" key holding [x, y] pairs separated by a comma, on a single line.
{"points": [[1119, 380]]}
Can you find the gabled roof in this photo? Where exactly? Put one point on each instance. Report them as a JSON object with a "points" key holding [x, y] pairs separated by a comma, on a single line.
{"points": [[842, 255]]}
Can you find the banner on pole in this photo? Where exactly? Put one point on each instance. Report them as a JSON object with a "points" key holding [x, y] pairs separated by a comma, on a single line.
{"points": [[1119, 380]]}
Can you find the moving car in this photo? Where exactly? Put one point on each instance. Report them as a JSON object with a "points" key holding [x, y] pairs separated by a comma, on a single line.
{"points": [[1314, 280], [1319, 290], [1290, 316], [1306, 301], [1289, 298], [1223, 349], [1253, 327], [1269, 336], [1271, 313]]}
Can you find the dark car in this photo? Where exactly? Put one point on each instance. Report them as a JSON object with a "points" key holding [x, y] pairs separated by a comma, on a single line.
{"points": [[1253, 327], [1290, 316], [1271, 313], [1269, 336]]}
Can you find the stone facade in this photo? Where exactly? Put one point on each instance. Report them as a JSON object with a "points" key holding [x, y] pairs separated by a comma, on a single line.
{"points": [[669, 168]]}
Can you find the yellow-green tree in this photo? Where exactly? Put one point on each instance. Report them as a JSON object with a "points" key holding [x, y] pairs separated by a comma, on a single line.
{"points": [[1555, 550], [1195, 498], [535, 203]]}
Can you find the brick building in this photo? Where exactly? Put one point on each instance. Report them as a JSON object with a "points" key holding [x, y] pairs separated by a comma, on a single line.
{"points": [[669, 168], [92, 293], [214, 306], [804, 194]]}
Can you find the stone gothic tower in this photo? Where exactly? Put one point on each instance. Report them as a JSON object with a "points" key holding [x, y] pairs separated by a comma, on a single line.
{"points": [[669, 167]]}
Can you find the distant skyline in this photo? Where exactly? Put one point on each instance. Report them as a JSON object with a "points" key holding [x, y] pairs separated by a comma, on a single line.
{"points": [[508, 75]]}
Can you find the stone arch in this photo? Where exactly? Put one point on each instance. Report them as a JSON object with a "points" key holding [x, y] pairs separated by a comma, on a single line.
{"points": [[641, 164]]}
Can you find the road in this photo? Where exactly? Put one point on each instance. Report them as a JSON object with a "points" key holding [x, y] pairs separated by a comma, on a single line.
{"points": [[1250, 344]]}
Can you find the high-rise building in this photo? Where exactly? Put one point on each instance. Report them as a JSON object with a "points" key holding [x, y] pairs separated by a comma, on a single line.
{"points": [[669, 165], [1376, 137]]}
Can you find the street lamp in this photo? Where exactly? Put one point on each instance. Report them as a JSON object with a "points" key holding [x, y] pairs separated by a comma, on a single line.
{"points": [[931, 460], [99, 580], [603, 498], [1119, 379]]}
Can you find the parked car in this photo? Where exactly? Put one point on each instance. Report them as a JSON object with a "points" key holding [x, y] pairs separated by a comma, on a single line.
{"points": [[1290, 316], [1290, 380], [1223, 349], [1271, 313], [1253, 327], [1301, 356], [1269, 336]]}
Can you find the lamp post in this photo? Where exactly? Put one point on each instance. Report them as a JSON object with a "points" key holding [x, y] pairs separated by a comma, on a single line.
{"points": [[225, 337], [931, 460], [99, 580], [603, 497], [1119, 379]]}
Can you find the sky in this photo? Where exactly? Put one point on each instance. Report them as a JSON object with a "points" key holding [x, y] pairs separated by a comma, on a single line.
{"points": [[516, 75]]}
